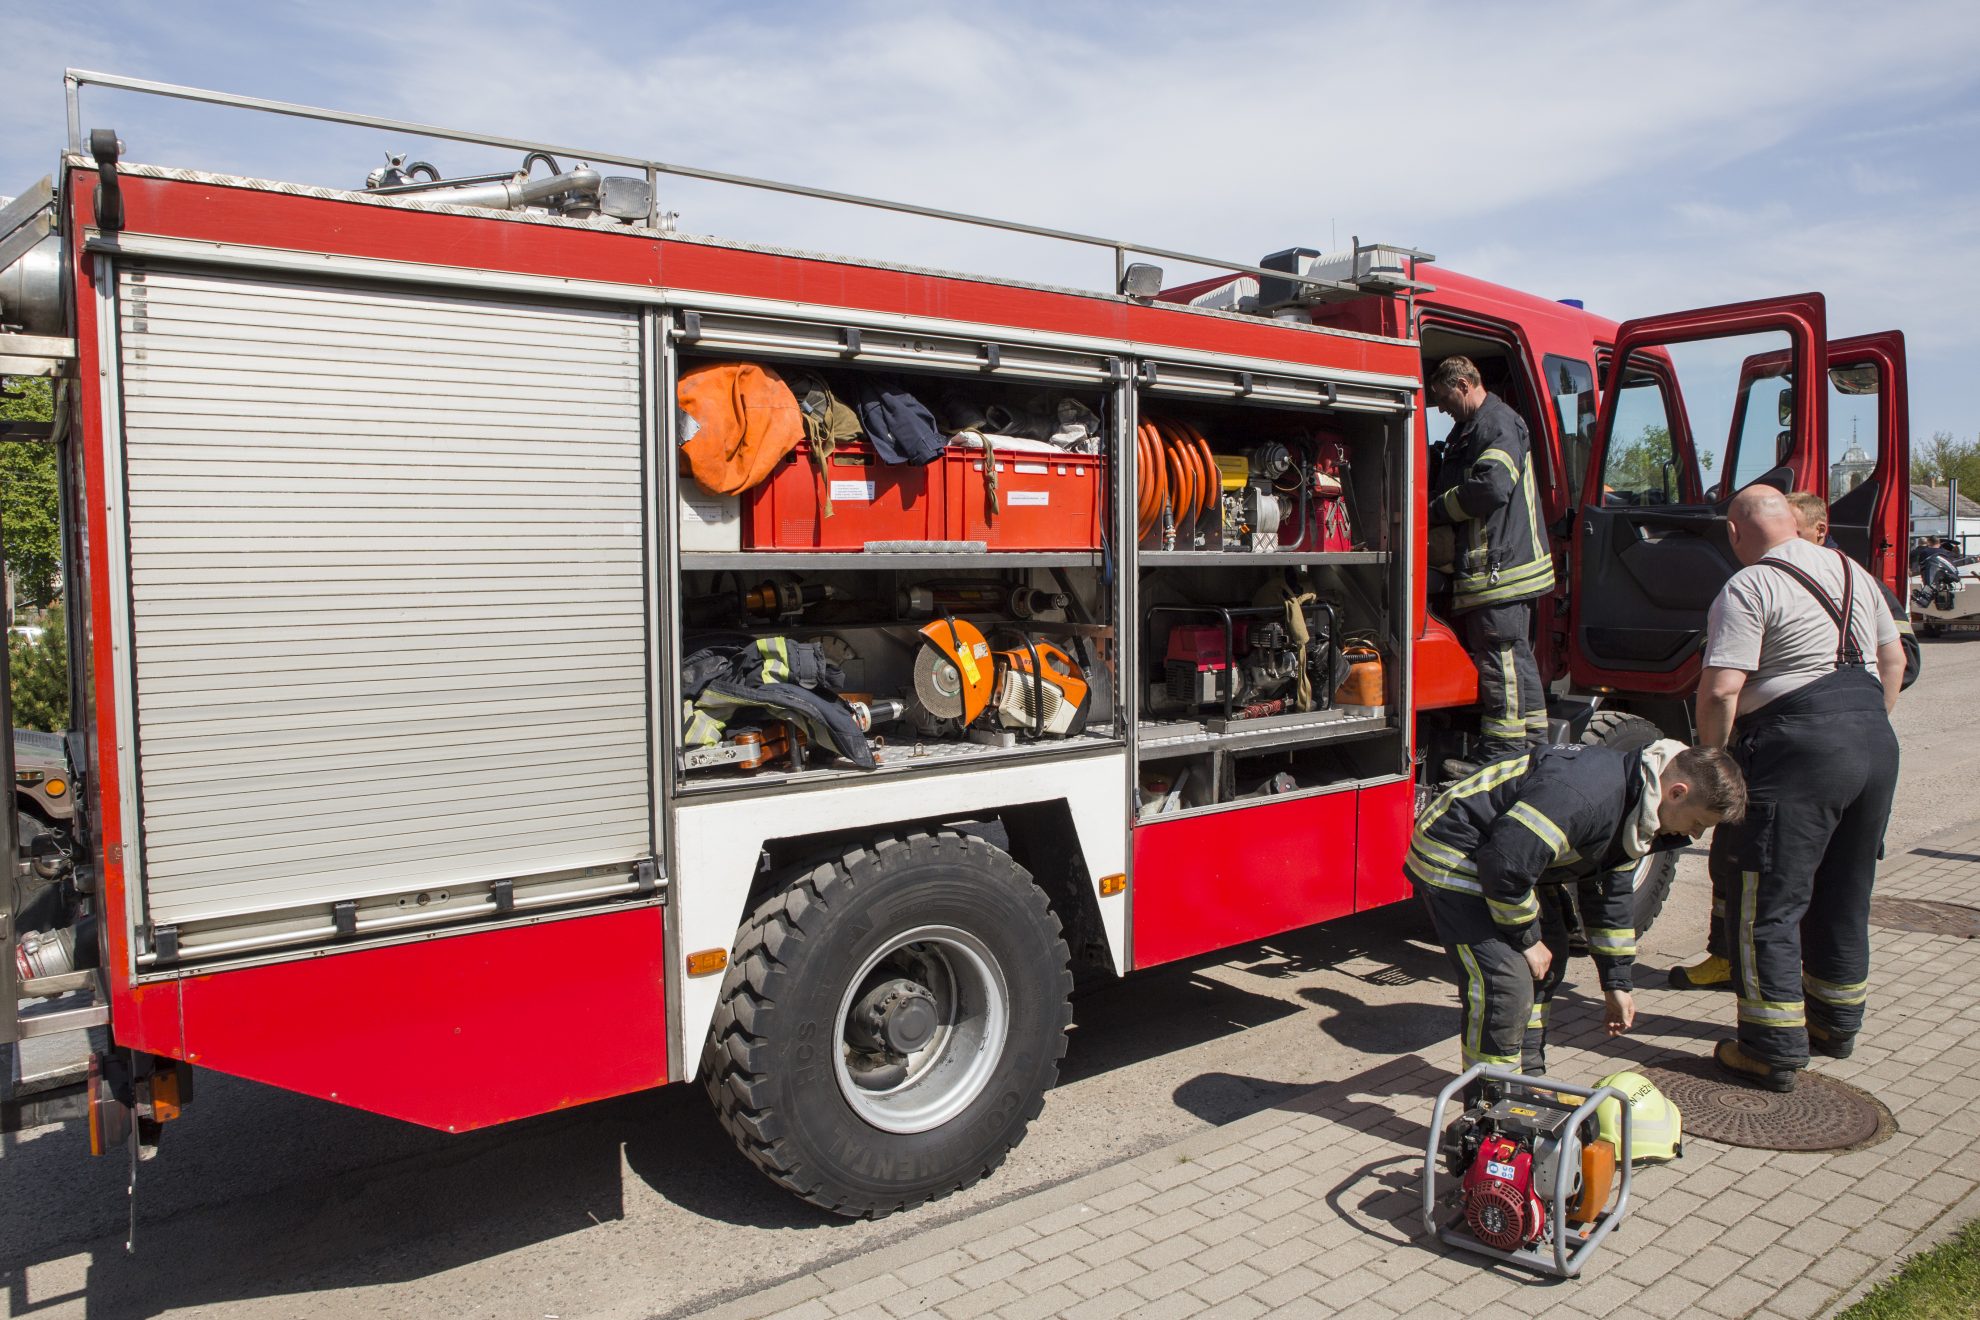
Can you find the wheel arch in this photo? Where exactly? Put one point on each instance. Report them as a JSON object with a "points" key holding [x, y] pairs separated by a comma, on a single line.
{"points": [[1064, 822]]}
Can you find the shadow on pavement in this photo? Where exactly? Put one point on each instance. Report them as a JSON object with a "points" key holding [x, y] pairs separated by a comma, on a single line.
{"points": [[1381, 1028], [372, 1200], [1221, 1098]]}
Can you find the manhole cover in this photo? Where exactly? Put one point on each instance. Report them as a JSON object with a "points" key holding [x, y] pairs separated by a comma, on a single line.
{"points": [[1921, 914], [1821, 1113]]}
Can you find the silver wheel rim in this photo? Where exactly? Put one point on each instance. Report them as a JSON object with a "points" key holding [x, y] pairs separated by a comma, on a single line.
{"points": [[943, 1078]]}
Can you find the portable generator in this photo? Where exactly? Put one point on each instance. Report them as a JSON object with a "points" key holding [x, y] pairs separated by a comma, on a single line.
{"points": [[1535, 1177], [1246, 660]]}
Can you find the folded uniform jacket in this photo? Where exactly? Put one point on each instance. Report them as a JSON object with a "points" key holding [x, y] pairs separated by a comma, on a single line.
{"points": [[900, 427], [728, 677], [745, 420]]}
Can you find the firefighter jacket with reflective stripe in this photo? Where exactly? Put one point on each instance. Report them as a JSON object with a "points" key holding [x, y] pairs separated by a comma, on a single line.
{"points": [[1485, 488], [1554, 816], [730, 678]]}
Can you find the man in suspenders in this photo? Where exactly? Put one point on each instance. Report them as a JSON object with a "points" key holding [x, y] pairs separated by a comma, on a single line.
{"points": [[1802, 667], [1811, 520]]}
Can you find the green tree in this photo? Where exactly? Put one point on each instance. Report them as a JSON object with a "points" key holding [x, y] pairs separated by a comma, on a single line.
{"points": [[30, 518], [1945, 459], [40, 672], [1643, 465]]}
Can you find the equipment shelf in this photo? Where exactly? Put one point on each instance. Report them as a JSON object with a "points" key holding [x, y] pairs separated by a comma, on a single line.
{"points": [[855, 560], [1160, 739], [1339, 558], [897, 758]]}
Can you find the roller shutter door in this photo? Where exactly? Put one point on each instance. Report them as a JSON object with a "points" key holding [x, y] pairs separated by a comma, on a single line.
{"points": [[388, 607]]}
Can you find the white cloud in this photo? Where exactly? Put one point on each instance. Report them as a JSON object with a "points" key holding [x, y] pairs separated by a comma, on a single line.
{"points": [[1239, 140], [1640, 158]]}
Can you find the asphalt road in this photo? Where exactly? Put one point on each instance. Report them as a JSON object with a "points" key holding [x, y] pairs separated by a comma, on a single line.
{"points": [[268, 1204]]}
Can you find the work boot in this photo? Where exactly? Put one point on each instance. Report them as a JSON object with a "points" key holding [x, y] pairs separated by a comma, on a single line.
{"points": [[1709, 973], [1754, 1072], [1834, 1047]]}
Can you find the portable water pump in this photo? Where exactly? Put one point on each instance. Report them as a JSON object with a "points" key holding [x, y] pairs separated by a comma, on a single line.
{"points": [[1535, 1174]]}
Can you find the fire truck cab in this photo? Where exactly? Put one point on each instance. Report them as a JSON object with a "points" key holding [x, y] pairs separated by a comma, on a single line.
{"points": [[525, 653]]}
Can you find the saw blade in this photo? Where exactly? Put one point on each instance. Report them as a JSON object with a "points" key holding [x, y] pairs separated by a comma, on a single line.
{"points": [[938, 684]]}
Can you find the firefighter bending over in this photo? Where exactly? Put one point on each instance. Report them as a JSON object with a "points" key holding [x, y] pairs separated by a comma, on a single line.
{"points": [[1484, 492], [1492, 854]]}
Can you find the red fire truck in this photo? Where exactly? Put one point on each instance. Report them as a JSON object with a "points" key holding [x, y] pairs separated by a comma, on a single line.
{"points": [[459, 737]]}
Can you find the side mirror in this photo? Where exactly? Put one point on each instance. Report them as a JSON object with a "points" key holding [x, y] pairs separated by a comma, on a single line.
{"points": [[1859, 379], [1785, 408]]}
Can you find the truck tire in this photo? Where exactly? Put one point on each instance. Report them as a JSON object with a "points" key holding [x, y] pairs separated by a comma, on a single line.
{"points": [[890, 1023], [1654, 876]]}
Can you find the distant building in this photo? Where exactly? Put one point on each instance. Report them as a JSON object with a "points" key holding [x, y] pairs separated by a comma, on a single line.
{"points": [[1852, 471], [1928, 516]]}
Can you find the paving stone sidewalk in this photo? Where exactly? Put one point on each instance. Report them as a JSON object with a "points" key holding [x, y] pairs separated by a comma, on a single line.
{"points": [[1311, 1208]]}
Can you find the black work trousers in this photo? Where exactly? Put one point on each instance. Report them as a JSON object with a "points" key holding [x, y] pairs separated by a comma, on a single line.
{"points": [[1505, 1010], [1500, 640], [1793, 879]]}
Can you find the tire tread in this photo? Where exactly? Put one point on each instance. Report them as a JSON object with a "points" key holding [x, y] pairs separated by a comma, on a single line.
{"points": [[739, 1037]]}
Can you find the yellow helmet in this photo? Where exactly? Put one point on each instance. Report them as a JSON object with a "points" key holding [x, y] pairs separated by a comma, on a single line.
{"points": [[1656, 1127]]}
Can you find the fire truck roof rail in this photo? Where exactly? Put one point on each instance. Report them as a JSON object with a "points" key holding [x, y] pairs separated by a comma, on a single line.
{"points": [[74, 80]]}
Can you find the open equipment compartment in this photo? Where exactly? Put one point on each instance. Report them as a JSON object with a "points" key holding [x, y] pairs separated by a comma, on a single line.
{"points": [[1271, 604], [939, 612]]}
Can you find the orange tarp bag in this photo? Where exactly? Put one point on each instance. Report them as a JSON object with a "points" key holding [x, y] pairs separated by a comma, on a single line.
{"points": [[745, 419]]}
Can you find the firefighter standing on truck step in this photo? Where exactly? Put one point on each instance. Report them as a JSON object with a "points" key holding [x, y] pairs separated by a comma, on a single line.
{"points": [[1484, 491], [1493, 853], [1811, 520], [1789, 684]]}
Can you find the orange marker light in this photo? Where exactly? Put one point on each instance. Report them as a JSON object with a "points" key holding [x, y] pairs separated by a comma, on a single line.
{"points": [[55, 788], [707, 962], [1112, 884]]}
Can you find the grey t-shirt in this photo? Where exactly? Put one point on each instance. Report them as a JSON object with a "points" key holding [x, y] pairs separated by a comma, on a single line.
{"points": [[1767, 624]]}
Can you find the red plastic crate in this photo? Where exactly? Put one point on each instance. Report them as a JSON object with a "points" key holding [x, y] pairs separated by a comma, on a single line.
{"points": [[1046, 501], [871, 501]]}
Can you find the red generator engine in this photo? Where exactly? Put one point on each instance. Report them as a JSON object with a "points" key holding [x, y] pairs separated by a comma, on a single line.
{"points": [[1247, 662], [1535, 1177]]}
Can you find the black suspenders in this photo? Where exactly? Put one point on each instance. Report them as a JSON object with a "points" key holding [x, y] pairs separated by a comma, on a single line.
{"points": [[1847, 652]]}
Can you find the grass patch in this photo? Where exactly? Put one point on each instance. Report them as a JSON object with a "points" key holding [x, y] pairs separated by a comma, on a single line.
{"points": [[1940, 1284]]}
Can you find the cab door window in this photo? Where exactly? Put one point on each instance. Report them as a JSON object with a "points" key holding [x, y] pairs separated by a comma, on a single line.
{"points": [[1760, 434], [1646, 464], [1571, 382], [1855, 444]]}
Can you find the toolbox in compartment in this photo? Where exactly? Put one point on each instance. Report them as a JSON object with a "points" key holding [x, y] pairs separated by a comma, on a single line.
{"points": [[1023, 500], [870, 501]]}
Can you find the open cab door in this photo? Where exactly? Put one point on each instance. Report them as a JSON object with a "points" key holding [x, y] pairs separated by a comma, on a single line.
{"points": [[1866, 479], [1870, 512], [1651, 548]]}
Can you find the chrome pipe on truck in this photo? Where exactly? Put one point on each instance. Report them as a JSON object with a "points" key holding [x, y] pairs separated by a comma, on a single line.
{"points": [[580, 192]]}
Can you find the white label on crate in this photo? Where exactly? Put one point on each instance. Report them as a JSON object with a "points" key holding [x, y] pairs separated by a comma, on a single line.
{"points": [[1062, 469], [1037, 469], [1498, 1170], [703, 509], [853, 490], [1040, 497]]}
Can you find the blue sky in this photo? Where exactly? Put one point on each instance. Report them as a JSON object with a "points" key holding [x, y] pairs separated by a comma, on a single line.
{"points": [[1641, 158]]}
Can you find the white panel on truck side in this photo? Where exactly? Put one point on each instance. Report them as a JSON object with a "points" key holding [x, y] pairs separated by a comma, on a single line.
{"points": [[387, 585]]}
